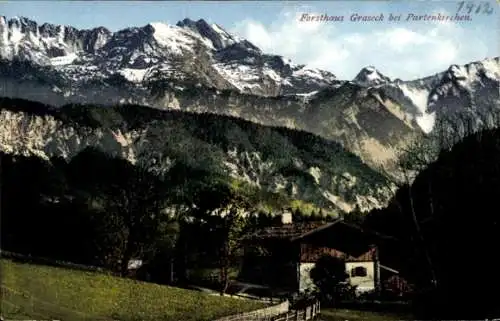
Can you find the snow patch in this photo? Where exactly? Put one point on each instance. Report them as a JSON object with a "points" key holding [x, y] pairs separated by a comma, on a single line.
{"points": [[426, 121], [308, 95], [239, 76], [226, 38], [172, 37], [419, 98], [63, 60], [16, 35], [492, 68], [272, 74], [304, 72], [373, 75], [61, 35], [133, 75]]}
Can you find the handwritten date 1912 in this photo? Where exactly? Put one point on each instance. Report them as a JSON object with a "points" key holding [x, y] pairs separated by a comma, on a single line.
{"points": [[469, 7]]}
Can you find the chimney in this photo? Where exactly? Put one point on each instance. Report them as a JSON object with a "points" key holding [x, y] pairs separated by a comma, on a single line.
{"points": [[286, 217]]}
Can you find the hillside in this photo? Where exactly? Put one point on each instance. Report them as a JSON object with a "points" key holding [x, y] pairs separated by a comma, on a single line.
{"points": [[296, 164], [48, 293]]}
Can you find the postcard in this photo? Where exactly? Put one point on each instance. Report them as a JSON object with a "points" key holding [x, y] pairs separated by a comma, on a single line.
{"points": [[249, 160]]}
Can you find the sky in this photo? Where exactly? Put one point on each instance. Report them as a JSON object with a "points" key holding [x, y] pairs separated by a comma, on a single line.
{"points": [[404, 49]]}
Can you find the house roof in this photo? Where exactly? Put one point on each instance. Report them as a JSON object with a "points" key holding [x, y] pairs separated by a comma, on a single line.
{"points": [[338, 234], [288, 231], [296, 231]]}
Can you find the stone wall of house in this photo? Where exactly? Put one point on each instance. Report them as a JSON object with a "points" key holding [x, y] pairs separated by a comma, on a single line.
{"points": [[257, 315]]}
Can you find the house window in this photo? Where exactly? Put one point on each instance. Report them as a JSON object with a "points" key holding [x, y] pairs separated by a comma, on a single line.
{"points": [[359, 271]]}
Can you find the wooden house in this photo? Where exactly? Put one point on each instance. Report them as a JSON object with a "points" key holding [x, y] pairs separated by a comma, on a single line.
{"points": [[282, 256]]}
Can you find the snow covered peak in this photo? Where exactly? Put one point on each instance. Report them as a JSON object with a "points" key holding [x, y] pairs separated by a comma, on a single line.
{"points": [[370, 76], [172, 38], [456, 72], [489, 68], [471, 85], [188, 34], [24, 39], [219, 37]]}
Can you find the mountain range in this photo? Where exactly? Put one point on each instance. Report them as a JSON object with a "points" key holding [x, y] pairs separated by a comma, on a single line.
{"points": [[198, 67]]}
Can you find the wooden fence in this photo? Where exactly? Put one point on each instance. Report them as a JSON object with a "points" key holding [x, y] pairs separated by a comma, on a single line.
{"points": [[308, 313], [280, 312]]}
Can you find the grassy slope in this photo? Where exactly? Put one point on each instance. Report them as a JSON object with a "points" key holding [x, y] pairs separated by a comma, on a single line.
{"points": [[42, 292]]}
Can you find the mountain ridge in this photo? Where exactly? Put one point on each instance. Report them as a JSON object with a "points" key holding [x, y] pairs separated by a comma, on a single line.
{"points": [[223, 74]]}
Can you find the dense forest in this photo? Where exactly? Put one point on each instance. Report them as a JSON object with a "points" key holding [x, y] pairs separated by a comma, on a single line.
{"points": [[284, 161], [447, 229]]}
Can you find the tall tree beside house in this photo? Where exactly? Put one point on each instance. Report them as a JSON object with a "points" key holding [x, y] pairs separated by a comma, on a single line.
{"points": [[202, 187], [224, 215], [161, 266], [231, 230]]}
